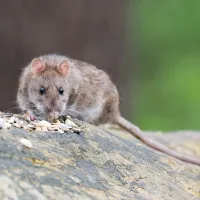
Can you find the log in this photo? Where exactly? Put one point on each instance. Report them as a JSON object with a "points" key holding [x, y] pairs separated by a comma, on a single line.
{"points": [[96, 164]]}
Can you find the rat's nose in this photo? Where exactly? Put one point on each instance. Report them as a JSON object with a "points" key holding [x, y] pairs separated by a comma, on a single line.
{"points": [[54, 115]]}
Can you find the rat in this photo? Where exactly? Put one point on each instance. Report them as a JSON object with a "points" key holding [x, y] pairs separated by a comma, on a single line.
{"points": [[55, 85]]}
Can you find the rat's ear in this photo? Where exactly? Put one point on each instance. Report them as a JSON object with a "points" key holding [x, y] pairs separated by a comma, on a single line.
{"points": [[64, 68], [36, 66]]}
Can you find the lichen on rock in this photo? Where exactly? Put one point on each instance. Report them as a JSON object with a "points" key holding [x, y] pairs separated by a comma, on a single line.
{"points": [[92, 165]]}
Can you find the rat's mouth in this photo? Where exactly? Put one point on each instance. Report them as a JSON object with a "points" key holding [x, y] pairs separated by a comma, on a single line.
{"points": [[53, 115]]}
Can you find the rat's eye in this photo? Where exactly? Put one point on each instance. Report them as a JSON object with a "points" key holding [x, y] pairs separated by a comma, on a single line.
{"points": [[61, 91], [42, 90]]}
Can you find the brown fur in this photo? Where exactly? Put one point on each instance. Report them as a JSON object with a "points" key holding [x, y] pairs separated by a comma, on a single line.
{"points": [[88, 95], [86, 86]]}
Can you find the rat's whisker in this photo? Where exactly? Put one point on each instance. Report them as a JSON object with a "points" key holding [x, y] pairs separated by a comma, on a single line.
{"points": [[17, 107]]}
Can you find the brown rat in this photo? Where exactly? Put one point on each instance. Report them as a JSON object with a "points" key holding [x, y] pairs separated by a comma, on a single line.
{"points": [[55, 85]]}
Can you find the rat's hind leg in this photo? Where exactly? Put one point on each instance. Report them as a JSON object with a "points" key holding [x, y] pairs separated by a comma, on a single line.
{"points": [[110, 110]]}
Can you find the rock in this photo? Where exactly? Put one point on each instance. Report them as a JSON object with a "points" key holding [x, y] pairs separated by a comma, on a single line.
{"points": [[95, 165]]}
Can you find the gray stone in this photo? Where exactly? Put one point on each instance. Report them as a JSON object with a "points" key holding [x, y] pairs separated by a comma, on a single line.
{"points": [[95, 165]]}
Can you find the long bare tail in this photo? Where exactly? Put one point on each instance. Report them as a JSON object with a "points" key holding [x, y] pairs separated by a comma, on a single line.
{"points": [[136, 132]]}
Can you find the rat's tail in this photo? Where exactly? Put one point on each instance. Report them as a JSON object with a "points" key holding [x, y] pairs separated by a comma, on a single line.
{"points": [[136, 132]]}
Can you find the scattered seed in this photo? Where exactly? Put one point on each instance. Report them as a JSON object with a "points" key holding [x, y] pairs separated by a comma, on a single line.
{"points": [[43, 123], [30, 126], [44, 129], [60, 131], [11, 120], [26, 143], [64, 127], [38, 129], [76, 130], [16, 125], [2, 122], [7, 125], [19, 121], [70, 123]]}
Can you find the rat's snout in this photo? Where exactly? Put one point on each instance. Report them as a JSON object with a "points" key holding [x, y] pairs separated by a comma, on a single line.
{"points": [[52, 108], [53, 115], [52, 112]]}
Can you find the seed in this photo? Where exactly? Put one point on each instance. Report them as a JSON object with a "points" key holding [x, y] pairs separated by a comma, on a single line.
{"points": [[11, 120], [70, 123], [17, 125], [26, 143], [64, 127], [60, 131], [42, 123], [2, 122], [7, 125]]}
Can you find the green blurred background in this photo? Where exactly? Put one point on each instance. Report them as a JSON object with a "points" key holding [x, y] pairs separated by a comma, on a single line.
{"points": [[169, 60]]}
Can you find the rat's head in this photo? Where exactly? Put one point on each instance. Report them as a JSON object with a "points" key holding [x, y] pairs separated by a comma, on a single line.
{"points": [[48, 88]]}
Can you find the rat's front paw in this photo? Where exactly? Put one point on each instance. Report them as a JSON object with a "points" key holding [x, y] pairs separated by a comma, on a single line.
{"points": [[30, 116]]}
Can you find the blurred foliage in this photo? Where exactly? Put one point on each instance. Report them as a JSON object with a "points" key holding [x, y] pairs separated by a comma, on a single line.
{"points": [[169, 61]]}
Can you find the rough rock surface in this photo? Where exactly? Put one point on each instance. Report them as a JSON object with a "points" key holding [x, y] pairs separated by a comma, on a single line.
{"points": [[95, 165]]}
